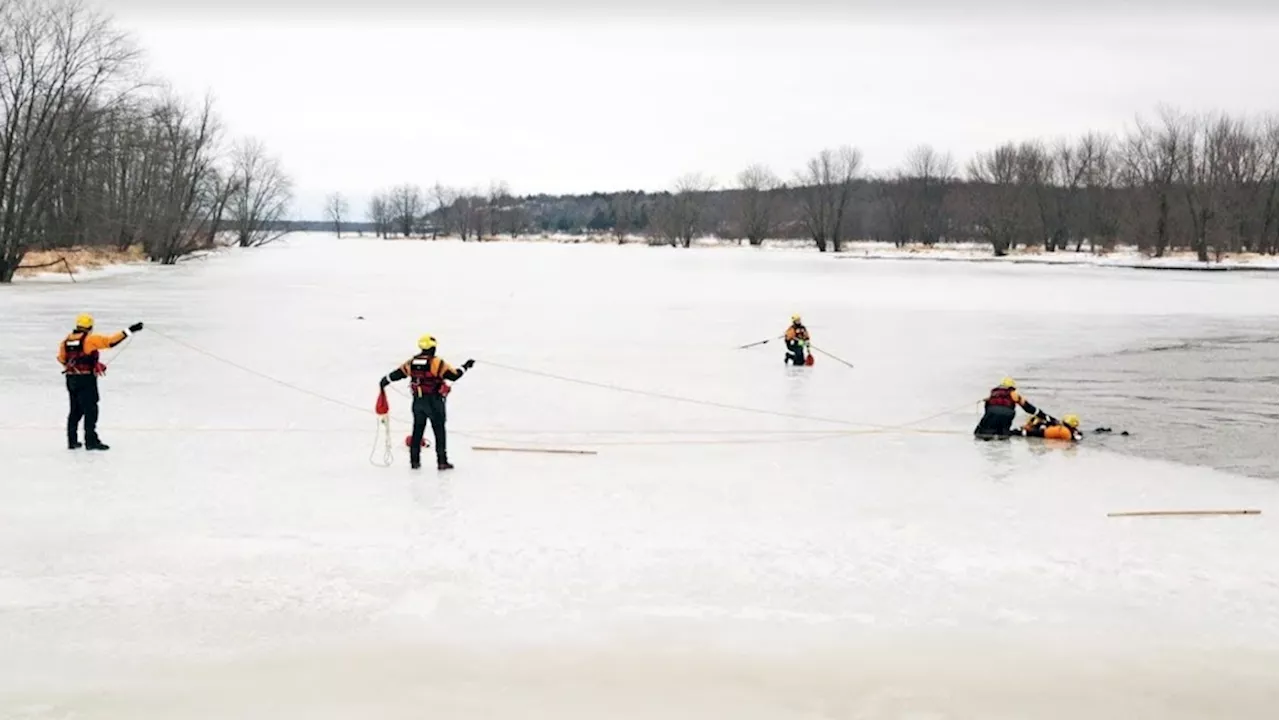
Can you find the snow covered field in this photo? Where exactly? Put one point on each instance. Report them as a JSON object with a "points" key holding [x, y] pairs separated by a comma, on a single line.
{"points": [[235, 554]]}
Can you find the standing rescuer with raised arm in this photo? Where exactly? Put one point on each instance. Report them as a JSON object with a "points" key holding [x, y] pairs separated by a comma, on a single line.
{"points": [[427, 377], [78, 355]]}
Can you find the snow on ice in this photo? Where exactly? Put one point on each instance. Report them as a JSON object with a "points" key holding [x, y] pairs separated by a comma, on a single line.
{"points": [[236, 555]]}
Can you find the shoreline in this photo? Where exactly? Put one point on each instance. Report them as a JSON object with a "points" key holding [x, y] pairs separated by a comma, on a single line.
{"points": [[76, 260], [1124, 256], [77, 264]]}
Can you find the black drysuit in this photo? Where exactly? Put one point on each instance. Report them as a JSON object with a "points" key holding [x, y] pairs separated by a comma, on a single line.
{"points": [[427, 374], [83, 393]]}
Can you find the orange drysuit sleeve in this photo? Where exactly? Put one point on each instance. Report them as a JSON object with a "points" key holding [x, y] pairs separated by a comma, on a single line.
{"points": [[93, 343]]}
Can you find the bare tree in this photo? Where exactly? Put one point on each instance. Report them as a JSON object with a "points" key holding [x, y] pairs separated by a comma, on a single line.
{"points": [[57, 59], [1098, 212], [335, 209], [1268, 131], [1246, 178], [757, 203], [503, 212], [444, 198], [928, 176], [464, 214], [515, 219], [623, 206], [1214, 164], [1036, 171], [261, 197], [180, 179], [685, 215], [405, 205], [488, 209], [897, 207], [1153, 157], [379, 213], [996, 201], [825, 190]]}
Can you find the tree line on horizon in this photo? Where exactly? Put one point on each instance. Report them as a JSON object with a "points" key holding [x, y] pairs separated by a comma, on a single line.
{"points": [[94, 152], [1179, 182]]}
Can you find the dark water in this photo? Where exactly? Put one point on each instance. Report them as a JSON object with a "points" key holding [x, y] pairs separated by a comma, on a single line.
{"points": [[1210, 402]]}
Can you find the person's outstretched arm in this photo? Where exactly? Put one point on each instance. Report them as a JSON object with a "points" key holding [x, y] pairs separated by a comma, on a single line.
{"points": [[396, 375], [449, 373], [94, 342]]}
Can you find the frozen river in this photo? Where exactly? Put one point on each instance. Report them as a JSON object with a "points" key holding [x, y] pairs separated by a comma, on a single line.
{"points": [[236, 555]]}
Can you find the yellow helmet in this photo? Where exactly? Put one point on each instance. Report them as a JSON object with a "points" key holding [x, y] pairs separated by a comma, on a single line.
{"points": [[795, 318], [85, 321], [1071, 421], [1008, 383], [426, 342]]}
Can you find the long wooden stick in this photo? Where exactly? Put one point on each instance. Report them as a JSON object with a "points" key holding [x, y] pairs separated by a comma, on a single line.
{"points": [[1150, 513], [551, 451]]}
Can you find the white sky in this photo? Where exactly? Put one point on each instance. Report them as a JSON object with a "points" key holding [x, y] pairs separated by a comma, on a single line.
{"points": [[565, 100]]}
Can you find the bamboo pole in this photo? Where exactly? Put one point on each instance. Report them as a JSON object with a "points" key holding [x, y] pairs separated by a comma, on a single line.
{"points": [[1151, 513], [550, 451]]}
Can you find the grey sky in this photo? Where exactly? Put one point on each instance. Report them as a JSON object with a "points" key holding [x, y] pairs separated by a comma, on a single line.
{"points": [[580, 99]]}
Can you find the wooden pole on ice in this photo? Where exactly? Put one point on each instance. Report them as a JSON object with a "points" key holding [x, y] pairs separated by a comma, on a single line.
{"points": [[550, 451], [1151, 513]]}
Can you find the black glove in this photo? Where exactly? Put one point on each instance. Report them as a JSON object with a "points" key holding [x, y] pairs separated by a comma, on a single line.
{"points": [[383, 383], [135, 327], [468, 364]]}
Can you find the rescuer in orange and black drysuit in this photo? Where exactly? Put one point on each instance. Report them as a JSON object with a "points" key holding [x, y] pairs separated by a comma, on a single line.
{"points": [[1000, 408], [78, 355], [427, 377], [1046, 426], [797, 339]]}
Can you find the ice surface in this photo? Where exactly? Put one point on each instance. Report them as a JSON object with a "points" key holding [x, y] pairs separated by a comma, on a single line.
{"points": [[235, 555]]}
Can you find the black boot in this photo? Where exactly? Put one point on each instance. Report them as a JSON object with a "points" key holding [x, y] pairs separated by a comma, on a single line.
{"points": [[443, 465], [96, 445], [73, 444]]}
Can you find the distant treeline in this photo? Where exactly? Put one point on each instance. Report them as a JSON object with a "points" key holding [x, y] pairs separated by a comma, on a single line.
{"points": [[92, 152], [1206, 183]]}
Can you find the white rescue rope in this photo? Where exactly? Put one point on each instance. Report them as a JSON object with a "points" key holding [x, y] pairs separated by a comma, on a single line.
{"points": [[383, 429]]}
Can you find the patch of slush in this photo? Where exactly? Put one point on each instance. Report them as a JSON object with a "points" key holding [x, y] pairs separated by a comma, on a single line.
{"points": [[235, 555]]}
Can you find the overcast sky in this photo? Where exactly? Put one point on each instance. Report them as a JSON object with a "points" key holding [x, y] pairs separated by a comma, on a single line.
{"points": [[354, 97]]}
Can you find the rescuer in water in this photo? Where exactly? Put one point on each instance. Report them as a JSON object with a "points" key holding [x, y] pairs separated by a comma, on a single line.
{"points": [[78, 355], [427, 377], [1000, 408], [1048, 427], [797, 339]]}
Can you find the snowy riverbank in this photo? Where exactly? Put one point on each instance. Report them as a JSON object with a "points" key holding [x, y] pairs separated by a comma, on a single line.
{"points": [[1123, 256], [82, 264]]}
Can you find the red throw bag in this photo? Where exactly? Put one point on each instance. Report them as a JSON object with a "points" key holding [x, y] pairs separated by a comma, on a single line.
{"points": [[381, 406]]}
